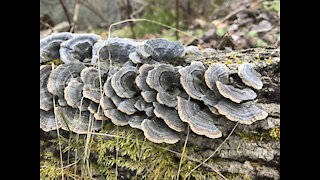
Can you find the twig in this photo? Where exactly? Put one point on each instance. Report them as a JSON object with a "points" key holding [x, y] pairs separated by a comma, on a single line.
{"points": [[129, 11], [177, 19], [66, 13]]}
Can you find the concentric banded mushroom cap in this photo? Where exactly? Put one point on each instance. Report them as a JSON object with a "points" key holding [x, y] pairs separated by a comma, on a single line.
{"points": [[168, 98], [163, 78], [127, 106], [136, 121], [91, 79], [123, 82], [77, 122], [61, 76], [46, 99], [142, 105], [148, 94], [216, 72], [201, 121], [120, 48], [192, 81], [110, 111], [50, 46], [155, 130], [141, 51], [100, 52], [235, 94], [245, 113], [78, 49], [110, 93], [163, 50], [96, 109], [73, 95], [170, 117], [249, 76], [48, 121]]}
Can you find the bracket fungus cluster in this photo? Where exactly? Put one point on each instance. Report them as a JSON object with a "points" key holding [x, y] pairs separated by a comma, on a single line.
{"points": [[132, 83]]}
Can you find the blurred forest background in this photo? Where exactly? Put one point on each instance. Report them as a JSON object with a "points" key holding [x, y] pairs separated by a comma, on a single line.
{"points": [[236, 24]]}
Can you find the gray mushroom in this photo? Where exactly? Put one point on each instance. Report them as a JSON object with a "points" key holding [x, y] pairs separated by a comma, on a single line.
{"points": [[155, 130], [148, 94], [192, 81], [123, 82], [78, 49], [92, 87], [249, 76], [201, 121], [163, 78], [163, 50], [96, 109], [46, 99], [235, 94], [48, 121], [110, 110], [50, 46], [170, 117], [216, 72], [73, 95], [245, 113], [77, 121], [61, 76]]}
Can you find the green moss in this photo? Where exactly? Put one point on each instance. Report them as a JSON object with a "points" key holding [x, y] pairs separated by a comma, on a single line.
{"points": [[156, 162], [262, 135]]}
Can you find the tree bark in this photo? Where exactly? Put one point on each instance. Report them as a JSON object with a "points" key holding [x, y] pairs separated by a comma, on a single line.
{"points": [[252, 151]]}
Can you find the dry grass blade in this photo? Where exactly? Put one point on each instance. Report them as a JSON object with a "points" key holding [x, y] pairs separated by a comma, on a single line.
{"points": [[148, 20], [183, 151], [58, 134]]}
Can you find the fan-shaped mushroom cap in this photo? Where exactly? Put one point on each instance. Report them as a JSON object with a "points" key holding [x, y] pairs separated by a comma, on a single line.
{"points": [[78, 49], [77, 122], [60, 77], [249, 76], [170, 98], [141, 51], [157, 131], [163, 78], [73, 95], [96, 109], [235, 94], [136, 121], [123, 82], [48, 121], [201, 121], [245, 113], [91, 79], [120, 48], [50, 46], [46, 99], [148, 94], [110, 110], [170, 117], [216, 72], [192, 81], [142, 105], [128, 105], [100, 52], [163, 50]]}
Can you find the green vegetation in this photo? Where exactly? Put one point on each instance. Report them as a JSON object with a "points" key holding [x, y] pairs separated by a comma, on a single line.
{"points": [[145, 160]]}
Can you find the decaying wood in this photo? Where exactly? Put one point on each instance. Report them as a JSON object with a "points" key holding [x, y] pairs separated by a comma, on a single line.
{"points": [[248, 152]]}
